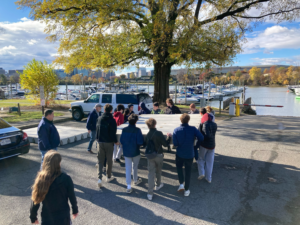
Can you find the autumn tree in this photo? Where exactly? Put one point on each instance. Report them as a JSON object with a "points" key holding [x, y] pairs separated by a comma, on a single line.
{"points": [[289, 74], [132, 76], [36, 74], [118, 33], [90, 80], [255, 75], [3, 79], [122, 76], [238, 74]]}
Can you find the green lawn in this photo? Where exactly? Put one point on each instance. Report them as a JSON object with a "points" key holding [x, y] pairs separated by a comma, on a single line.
{"points": [[197, 106], [26, 116], [25, 102]]}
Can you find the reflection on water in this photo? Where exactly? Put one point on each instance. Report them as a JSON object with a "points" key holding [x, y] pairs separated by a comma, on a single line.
{"points": [[259, 95]]}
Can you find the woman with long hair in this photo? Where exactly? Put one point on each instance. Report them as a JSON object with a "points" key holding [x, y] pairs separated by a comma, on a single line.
{"points": [[53, 188]]}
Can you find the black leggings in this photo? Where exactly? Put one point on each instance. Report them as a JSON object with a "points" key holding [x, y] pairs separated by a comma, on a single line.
{"points": [[188, 170]]}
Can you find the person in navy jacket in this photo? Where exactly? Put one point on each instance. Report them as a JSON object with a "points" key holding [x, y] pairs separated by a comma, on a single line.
{"points": [[132, 139], [183, 139], [48, 136], [91, 125], [144, 109]]}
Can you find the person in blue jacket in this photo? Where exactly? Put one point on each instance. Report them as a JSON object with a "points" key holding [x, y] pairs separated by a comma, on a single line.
{"points": [[132, 139], [91, 125], [183, 139], [48, 136], [144, 109]]}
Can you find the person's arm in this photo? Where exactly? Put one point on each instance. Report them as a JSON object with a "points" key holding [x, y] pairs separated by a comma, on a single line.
{"points": [[122, 138], [175, 141], [178, 110], [33, 212], [113, 130], [164, 141], [122, 119], [199, 137], [140, 138], [88, 123], [71, 195], [44, 137]]}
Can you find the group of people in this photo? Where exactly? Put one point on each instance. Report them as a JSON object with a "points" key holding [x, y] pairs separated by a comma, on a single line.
{"points": [[190, 142]]}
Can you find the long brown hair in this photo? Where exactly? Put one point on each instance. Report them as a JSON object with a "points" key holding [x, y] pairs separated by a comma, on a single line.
{"points": [[50, 170]]}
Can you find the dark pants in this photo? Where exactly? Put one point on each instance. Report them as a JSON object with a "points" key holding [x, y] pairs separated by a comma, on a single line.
{"points": [[105, 153], [92, 139], [188, 170]]}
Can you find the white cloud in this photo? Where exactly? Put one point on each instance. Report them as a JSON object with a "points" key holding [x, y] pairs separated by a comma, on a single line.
{"points": [[277, 61], [22, 41], [275, 37]]}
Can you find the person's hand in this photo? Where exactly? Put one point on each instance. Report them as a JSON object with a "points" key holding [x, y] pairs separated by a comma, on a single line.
{"points": [[75, 215], [89, 131], [169, 134], [117, 143], [36, 222]]}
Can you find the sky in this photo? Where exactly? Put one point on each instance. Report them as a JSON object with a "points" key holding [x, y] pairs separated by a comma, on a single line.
{"points": [[22, 39]]}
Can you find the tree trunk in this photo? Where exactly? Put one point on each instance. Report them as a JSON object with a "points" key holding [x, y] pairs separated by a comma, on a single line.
{"points": [[161, 82]]}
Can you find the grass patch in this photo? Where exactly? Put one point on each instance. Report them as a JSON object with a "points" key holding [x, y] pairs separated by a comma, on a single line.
{"points": [[26, 116], [25, 102]]}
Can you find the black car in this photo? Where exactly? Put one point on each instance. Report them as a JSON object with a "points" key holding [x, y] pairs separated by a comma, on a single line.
{"points": [[13, 141]]}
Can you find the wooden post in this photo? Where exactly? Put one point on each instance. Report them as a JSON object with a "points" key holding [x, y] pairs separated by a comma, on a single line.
{"points": [[244, 92], [19, 109]]}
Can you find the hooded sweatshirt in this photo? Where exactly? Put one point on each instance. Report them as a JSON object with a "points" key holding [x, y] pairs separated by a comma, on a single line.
{"points": [[106, 129], [144, 109], [119, 118], [208, 128]]}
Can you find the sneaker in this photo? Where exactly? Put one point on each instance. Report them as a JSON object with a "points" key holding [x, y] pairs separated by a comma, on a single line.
{"points": [[100, 183], [149, 197], [201, 177], [96, 165], [208, 181], [138, 182], [187, 193], [109, 179], [129, 190], [118, 161], [181, 188], [158, 187]]}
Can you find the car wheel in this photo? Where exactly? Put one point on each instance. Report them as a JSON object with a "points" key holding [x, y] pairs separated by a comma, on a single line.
{"points": [[77, 115]]}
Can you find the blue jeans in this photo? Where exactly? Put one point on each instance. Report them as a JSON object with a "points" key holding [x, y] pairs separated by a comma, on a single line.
{"points": [[206, 162], [93, 138], [43, 155]]}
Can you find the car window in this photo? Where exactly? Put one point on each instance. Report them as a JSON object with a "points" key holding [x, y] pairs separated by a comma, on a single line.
{"points": [[106, 98], [126, 99], [94, 98], [4, 124], [144, 98]]}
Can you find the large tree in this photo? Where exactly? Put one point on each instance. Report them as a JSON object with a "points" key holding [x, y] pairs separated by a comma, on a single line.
{"points": [[117, 33]]}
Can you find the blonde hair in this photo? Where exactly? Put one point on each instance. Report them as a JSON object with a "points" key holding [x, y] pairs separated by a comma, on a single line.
{"points": [[209, 109], [50, 171], [151, 123]]}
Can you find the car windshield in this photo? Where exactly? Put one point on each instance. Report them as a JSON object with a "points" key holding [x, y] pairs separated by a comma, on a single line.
{"points": [[4, 124]]}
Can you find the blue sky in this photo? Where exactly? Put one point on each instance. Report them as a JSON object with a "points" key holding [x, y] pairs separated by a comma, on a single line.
{"points": [[23, 39]]}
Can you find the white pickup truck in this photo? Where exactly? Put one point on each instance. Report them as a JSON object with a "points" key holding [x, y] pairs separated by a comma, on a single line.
{"points": [[81, 109]]}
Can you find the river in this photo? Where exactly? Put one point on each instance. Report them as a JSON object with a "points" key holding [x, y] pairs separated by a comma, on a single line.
{"points": [[259, 95]]}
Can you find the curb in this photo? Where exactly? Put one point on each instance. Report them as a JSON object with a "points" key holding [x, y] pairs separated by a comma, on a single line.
{"points": [[36, 124]]}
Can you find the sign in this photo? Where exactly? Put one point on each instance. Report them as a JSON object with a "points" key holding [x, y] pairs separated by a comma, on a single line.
{"points": [[220, 98], [42, 102], [42, 96]]}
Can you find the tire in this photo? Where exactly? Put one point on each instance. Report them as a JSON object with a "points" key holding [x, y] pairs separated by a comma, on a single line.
{"points": [[77, 114]]}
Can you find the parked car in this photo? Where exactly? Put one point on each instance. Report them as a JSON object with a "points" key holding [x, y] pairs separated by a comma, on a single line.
{"points": [[81, 109], [13, 141]]}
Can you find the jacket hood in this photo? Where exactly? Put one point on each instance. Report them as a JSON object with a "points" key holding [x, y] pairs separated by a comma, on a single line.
{"points": [[117, 114], [107, 115], [143, 106], [206, 117]]}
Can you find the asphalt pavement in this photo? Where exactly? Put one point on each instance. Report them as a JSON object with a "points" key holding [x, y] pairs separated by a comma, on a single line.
{"points": [[256, 180]]}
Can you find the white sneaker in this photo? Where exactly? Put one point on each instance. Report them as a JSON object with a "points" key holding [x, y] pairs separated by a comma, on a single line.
{"points": [[149, 197], [201, 177], [158, 187], [129, 190], [208, 181], [187, 193], [181, 188], [137, 182], [100, 183], [109, 179]]}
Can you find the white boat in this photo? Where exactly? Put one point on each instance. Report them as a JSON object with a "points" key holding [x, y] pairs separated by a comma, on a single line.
{"points": [[297, 91]]}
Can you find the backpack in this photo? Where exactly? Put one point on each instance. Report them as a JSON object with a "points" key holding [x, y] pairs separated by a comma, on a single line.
{"points": [[150, 152]]}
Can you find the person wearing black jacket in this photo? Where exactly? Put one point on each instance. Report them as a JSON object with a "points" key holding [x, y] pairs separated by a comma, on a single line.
{"points": [[155, 164], [172, 109], [106, 137], [207, 147], [91, 125], [53, 188]]}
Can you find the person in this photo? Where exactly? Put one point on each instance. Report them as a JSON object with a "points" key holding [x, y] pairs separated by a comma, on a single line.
{"points": [[156, 109], [155, 164], [130, 107], [183, 140], [172, 109], [132, 139], [144, 109], [119, 118], [193, 109], [126, 115], [48, 136], [91, 125], [207, 147], [106, 137], [211, 112], [54, 189]]}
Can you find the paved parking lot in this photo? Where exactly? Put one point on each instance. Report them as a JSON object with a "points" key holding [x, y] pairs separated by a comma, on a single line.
{"points": [[256, 180]]}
